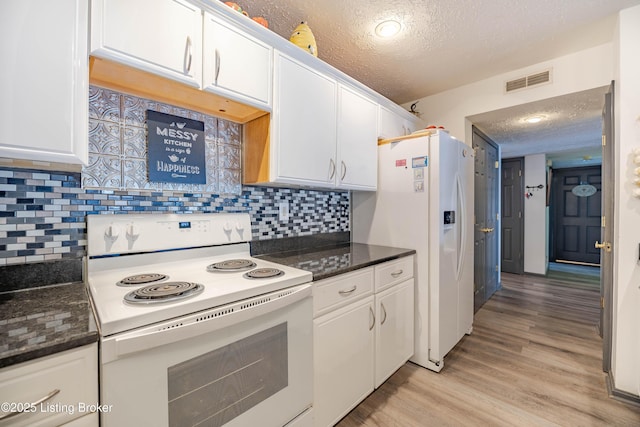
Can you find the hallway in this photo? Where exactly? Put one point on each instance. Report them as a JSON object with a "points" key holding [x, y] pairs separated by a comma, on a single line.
{"points": [[534, 358]]}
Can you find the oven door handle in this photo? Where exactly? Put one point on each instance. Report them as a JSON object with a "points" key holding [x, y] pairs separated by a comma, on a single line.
{"points": [[203, 322]]}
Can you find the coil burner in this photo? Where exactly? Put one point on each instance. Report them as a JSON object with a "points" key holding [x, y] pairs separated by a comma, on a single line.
{"points": [[263, 273], [164, 292], [231, 265], [142, 279]]}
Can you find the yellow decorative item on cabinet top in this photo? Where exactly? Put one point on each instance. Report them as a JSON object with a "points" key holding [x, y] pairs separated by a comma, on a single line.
{"points": [[303, 38]]}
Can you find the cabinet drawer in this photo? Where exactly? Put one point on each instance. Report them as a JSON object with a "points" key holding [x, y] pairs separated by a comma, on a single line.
{"points": [[392, 272], [74, 373], [332, 293]]}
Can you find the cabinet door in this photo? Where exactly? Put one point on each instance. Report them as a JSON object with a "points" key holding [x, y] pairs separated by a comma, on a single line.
{"points": [[392, 124], [343, 360], [394, 329], [44, 80], [357, 141], [64, 380], [160, 36], [304, 121], [235, 64]]}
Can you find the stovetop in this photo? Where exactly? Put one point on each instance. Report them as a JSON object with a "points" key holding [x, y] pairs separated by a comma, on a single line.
{"points": [[117, 315], [106, 268]]}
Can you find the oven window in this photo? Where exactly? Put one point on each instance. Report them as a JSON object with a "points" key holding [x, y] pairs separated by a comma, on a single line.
{"points": [[216, 387]]}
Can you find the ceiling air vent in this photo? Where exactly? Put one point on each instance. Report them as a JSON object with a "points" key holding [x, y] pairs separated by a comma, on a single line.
{"points": [[528, 81], [516, 84]]}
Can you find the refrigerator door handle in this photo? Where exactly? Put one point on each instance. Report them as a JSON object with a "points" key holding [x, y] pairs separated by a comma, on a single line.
{"points": [[463, 227]]}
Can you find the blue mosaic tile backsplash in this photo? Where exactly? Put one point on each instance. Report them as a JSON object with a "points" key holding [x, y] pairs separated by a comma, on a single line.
{"points": [[43, 213]]}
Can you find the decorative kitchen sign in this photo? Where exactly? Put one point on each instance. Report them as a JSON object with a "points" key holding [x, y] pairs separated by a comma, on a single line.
{"points": [[176, 149]]}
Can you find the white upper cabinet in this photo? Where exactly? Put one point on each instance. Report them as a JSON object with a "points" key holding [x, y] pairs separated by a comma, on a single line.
{"points": [[304, 125], [163, 37], [236, 64], [44, 80], [392, 124], [323, 133], [357, 156]]}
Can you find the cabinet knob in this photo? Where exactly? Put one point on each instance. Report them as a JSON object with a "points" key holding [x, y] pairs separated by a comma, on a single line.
{"points": [[188, 56], [348, 291], [332, 164], [373, 318], [384, 312], [27, 406], [397, 273]]}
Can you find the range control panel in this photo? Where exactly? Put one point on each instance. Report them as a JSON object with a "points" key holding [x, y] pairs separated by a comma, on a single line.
{"points": [[121, 234]]}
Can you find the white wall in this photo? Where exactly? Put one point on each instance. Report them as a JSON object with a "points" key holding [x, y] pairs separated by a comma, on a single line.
{"points": [[626, 321], [579, 71], [535, 215]]}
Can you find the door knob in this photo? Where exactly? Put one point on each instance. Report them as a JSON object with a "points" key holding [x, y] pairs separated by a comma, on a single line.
{"points": [[486, 230], [604, 245]]}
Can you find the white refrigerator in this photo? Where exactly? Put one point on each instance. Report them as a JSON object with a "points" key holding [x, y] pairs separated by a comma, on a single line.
{"points": [[424, 201]]}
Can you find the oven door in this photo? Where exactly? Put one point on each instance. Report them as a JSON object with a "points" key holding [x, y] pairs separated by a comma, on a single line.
{"points": [[243, 364]]}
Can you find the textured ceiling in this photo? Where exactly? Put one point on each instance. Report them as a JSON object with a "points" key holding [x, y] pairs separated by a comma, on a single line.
{"points": [[448, 43], [443, 43], [571, 126]]}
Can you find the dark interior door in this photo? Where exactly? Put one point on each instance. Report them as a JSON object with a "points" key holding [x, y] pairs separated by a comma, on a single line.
{"points": [[606, 259], [577, 214], [486, 183], [512, 247]]}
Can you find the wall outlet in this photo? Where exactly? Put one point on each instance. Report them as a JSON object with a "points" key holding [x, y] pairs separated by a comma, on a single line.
{"points": [[283, 211]]}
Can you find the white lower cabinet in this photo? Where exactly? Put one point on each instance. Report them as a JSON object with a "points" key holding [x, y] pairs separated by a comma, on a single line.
{"points": [[52, 390], [363, 332], [394, 329], [89, 420], [343, 360]]}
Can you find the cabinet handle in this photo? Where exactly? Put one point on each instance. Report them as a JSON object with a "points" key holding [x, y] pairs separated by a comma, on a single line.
{"points": [[344, 170], [397, 273], [373, 316], [384, 311], [36, 403], [333, 168], [189, 55], [215, 79], [348, 291]]}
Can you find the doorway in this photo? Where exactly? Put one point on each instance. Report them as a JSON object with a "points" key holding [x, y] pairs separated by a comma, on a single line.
{"points": [[486, 269]]}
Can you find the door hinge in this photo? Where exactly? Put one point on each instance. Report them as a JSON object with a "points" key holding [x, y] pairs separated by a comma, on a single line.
{"points": [[497, 268], [496, 164], [601, 302], [519, 214], [604, 140], [498, 217], [603, 222], [519, 173]]}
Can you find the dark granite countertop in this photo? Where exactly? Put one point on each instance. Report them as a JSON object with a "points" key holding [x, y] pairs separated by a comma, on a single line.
{"points": [[341, 258], [41, 321]]}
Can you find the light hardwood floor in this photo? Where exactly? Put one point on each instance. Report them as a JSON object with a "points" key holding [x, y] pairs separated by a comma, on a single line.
{"points": [[534, 359]]}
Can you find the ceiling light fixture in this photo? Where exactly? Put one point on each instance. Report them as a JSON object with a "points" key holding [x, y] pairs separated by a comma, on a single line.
{"points": [[388, 28], [533, 119]]}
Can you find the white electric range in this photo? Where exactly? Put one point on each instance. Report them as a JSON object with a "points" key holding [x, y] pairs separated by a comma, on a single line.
{"points": [[212, 335]]}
